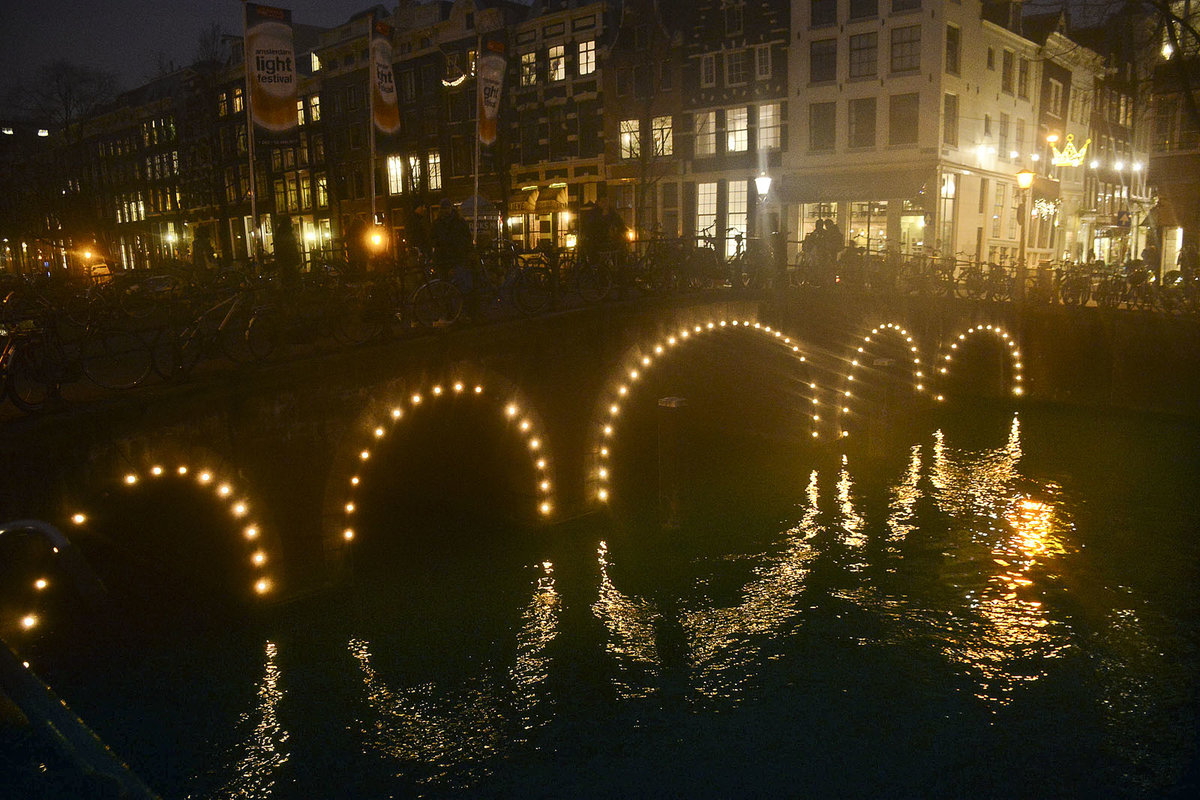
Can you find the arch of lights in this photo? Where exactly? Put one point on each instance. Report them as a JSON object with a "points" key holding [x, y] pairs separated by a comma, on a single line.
{"points": [[846, 395], [387, 418], [638, 364], [29, 618], [226, 493], [946, 359]]}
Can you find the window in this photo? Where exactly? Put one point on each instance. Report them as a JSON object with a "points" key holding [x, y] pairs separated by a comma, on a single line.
{"points": [[953, 49], [822, 61], [1002, 143], [706, 206], [998, 208], [222, 105], [824, 12], [862, 122], [762, 62], [733, 17], [322, 190], [1020, 146], [906, 48], [991, 59], [300, 111], [1006, 71], [435, 170], [863, 8], [903, 116], [408, 86], [708, 71], [528, 69], [705, 128], [558, 63], [737, 125], [1023, 79], [630, 139], [950, 120], [238, 103], [414, 171], [314, 108], [987, 124], [395, 175], [660, 130], [587, 57], [737, 69], [1054, 98], [863, 60], [769, 127], [736, 212], [822, 126]]}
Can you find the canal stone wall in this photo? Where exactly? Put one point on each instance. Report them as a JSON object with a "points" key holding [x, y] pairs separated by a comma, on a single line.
{"points": [[285, 431]]}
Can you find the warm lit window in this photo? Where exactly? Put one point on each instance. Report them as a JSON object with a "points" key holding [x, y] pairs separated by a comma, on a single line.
{"points": [[314, 108], [300, 112], [705, 129], [737, 138], [435, 170], [706, 207], [587, 57], [769, 127], [222, 104], [558, 63], [395, 174], [735, 215], [630, 139], [664, 144], [528, 69], [237, 101], [414, 171]]}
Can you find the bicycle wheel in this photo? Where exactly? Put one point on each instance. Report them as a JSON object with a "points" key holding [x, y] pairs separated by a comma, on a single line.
{"points": [[437, 303], [972, 284], [358, 316], [594, 282], [1108, 294], [26, 376], [264, 333], [115, 359], [533, 290]]}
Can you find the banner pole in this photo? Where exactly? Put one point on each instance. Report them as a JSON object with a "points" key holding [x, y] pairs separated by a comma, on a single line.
{"points": [[372, 79], [478, 113], [255, 238]]}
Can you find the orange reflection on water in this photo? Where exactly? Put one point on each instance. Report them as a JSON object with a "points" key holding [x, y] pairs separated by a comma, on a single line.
{"points": [[263, 748], [631, 625]]}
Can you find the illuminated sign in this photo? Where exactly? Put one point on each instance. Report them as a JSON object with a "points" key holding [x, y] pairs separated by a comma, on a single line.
{"points": [[1069, 156]]}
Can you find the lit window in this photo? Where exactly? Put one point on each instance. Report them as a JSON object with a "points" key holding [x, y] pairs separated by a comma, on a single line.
{"points": [[629, 138], [708, 71], [705, 128], [558, 63], [737, 126], [736, 214], [395, 173], [237, 100], [299, 112], [314, 108], [769, 127], [414, 171], [528, 69], [762, 62], [587, 57], [664, 144], [435, 170], [706, 207]]}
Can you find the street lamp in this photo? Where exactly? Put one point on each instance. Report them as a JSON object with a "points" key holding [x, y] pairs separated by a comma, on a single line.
{"points": [[1024, 183], [762, 184]]}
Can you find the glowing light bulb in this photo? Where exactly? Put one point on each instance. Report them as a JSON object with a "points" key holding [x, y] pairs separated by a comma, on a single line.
{"points": [[183, 470], [458, 387], [348, 534], [603, 473], [544, 486], [349, 508], [534, 444], [397, 413], [224, 490], [156, 471], [540, 463], [602, 494], [544, 508], [259, 558], [40, 584], [478, 389], [379, 433], [251, 532], [78, 518], [364, 455], [205, 477], [354, 481], [524, 426], [437, 391], [28, 621], [130, 479], [262, 586], [239, 509]]}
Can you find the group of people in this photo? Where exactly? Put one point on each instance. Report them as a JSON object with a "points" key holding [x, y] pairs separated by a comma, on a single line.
{"points": [[823, 245]]}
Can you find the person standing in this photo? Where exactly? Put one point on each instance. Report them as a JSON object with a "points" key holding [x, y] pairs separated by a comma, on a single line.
{"points": [[451, 248], [287, 252]]}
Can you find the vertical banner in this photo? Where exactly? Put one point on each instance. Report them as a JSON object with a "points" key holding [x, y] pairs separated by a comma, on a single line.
{"points": [[271, 68], [490, 78], [384, 111]]}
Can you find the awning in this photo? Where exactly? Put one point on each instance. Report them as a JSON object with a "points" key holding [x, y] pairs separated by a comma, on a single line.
{"points": [[888, 183], [477, 206]]}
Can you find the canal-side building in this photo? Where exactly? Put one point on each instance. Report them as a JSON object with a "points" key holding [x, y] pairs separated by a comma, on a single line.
{"points": [[735, 89]]}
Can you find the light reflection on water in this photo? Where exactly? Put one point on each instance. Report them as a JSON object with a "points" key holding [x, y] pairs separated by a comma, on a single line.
{"points": [[921, 622]]}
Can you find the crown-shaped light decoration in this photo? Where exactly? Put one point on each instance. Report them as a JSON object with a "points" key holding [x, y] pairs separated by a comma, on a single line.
{"points": [[1069, 156]]}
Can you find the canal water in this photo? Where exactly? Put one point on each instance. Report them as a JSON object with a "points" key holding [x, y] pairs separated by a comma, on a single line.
{"points": [[986, 603]]}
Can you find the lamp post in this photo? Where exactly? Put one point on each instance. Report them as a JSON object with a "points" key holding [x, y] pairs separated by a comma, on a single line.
{"points": [[1025, 183]]}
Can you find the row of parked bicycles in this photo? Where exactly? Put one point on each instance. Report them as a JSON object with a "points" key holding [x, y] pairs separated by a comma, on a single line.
{"points": [[60, 335], [1071, 284]]}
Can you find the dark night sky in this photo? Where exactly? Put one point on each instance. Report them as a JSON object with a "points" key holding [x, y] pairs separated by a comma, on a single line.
{"points": [[123, 36]]}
